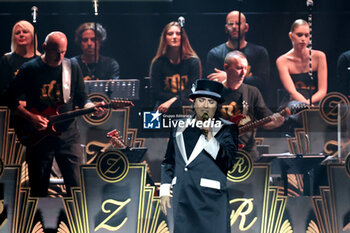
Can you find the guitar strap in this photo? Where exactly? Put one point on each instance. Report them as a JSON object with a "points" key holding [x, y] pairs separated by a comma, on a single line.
{"points": [[66, 79], [244, 100]]}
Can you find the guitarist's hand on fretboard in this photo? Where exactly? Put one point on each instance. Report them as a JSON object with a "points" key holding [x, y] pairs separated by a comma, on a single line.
{"points": [[100, 111], [276, 121]]}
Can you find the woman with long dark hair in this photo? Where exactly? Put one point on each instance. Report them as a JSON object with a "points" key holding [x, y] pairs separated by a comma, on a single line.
{"points": [[172, 74]]}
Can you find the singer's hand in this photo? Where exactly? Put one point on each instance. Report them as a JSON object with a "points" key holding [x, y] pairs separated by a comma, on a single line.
{"points": [[208, 132], [165, 203]]}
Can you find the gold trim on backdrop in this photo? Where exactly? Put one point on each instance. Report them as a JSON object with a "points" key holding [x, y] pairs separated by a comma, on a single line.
{"points": [[6, 121], [83, 204], [347, 165], [2, 167], [324, 210]]}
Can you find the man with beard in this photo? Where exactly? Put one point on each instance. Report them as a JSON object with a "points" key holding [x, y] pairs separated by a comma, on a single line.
{"points": [[258, 58]]}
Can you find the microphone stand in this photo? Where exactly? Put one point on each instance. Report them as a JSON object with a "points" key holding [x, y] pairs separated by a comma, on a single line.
{"points": [[95, 4], [309, 4], [35, 40], [180, 65], [239, 24]]}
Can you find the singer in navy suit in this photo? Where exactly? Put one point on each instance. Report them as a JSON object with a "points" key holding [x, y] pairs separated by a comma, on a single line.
{"points": [[196, 164]]}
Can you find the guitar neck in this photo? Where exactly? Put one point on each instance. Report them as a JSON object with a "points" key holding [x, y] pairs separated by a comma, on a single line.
{"points": [[253, 125], [71, 114]]}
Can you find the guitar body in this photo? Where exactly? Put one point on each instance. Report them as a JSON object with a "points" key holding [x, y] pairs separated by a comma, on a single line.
{"points": [[27, 134]]}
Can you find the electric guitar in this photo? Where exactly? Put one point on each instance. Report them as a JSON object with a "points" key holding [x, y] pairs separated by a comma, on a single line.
{"points": [[29, 136], [285, 112]]}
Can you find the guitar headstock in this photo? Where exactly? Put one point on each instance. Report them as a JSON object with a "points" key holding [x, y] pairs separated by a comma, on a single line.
{"points": [[121, 103], [116, 139], [295, 108]]}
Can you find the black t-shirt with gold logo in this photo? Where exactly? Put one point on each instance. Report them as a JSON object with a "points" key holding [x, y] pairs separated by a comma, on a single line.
{"points": [[42, 88], [9, 66], [242, 106], [171, 80]]}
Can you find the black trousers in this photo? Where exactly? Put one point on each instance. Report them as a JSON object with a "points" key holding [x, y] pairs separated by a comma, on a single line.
{"points": [[68, 154]]}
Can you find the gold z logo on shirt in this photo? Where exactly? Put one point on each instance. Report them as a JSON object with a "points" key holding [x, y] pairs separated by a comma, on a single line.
{"points": [[51, 92], [172, 83]]}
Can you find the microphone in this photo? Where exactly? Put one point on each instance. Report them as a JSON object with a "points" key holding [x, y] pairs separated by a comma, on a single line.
{"points": [[34, 13], [205, 117], [309, 4], [95, 4], [181, 21]]}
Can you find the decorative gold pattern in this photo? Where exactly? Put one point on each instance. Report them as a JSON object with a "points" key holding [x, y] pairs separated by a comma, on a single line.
{"points": [[329, 107], [3, 214], [162, 228], [63, 228], [274, 210], [325, 211], [286, 227], [38, 228], [25, 213], [12, 150], [347, 164], [242, 169], [1, 167], [112, 166], [312, 227]]}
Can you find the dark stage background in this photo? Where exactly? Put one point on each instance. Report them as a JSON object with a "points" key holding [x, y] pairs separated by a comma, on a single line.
{"points": [[134, 27]]}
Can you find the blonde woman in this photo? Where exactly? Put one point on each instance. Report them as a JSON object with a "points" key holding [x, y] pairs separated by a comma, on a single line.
{"points": [[22, 50], [293, 67]]}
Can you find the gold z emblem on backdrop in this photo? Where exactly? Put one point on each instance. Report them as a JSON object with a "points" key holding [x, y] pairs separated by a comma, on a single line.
{"points": [[329, 107], [104, 223], [245, 208], [112, 166]]}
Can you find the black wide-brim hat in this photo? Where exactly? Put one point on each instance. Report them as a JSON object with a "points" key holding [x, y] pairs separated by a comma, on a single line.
{"points": [[207, 88]]}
